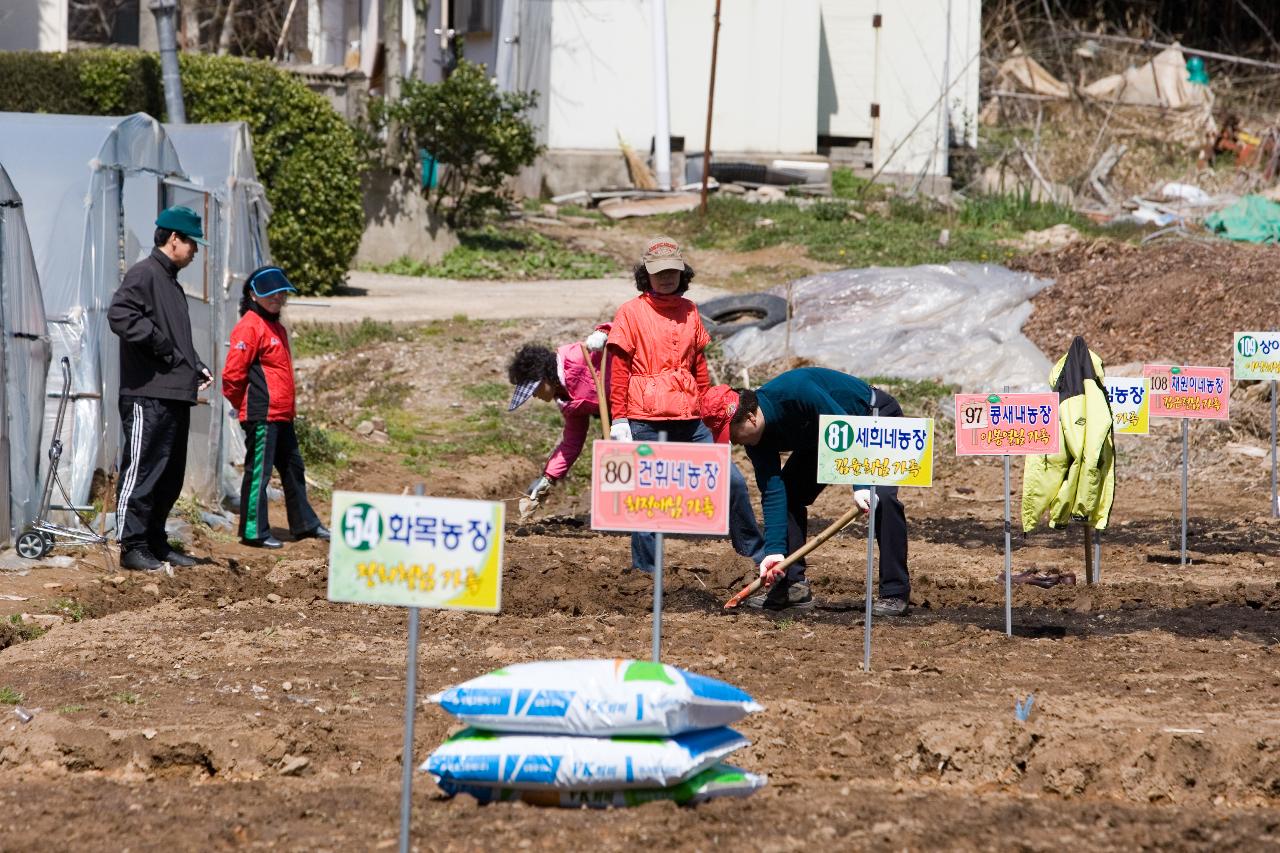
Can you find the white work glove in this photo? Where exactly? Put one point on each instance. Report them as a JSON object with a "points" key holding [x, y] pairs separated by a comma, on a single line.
{"points": [[206, 379], [768, 573], [596, 340], [537, 491], [862, 497], [620, 430]]}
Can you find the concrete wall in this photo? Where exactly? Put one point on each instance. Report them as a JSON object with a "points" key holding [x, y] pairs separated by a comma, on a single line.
{"points": [[398, 222]]}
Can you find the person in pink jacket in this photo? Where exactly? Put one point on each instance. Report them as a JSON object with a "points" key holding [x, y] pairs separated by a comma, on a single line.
{"points": [[564, 378]]}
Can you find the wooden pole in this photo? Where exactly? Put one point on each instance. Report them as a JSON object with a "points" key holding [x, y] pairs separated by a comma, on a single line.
{"points": [[598, 378], [711, 99]]}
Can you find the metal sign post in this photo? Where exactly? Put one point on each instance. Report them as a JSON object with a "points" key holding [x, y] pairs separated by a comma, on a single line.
{"points": [[376, 556], [866, 451], [1008, 556], [657, 584], [871, 539], [657, 598], [410, 706], [1275, 492], [1185, 392], [1007, 425], [1184, 491]]}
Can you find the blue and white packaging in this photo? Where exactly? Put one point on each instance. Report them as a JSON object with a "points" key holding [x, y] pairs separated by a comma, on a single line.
{"points": [[596, 697], [566, 762], [721, 780]]}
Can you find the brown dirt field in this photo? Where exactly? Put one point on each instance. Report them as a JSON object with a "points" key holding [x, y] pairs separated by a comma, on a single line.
{"points": [[1180, 301], [163, 720]]}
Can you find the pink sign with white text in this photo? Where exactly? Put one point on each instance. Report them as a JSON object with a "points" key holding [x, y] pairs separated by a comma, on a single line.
{"points": [[660, 487], [1006, 424], [1189, 392]]}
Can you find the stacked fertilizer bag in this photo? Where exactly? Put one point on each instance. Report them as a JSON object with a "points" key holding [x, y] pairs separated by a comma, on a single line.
{"points": [[593, 733]]}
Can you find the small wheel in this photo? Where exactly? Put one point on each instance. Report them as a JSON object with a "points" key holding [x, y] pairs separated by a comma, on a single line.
{"points": [[32, 545]]}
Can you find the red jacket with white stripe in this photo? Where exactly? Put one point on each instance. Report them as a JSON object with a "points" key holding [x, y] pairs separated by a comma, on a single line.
{"points": [[258, 376]]}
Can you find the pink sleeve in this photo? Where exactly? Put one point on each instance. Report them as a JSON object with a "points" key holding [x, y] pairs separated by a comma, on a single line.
{"points": [[570, 446]]}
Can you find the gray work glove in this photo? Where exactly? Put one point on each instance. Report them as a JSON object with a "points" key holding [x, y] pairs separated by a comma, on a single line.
{"points": [[533, 498]]}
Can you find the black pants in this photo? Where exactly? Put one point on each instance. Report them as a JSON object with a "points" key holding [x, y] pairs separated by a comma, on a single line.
{"points": [[270, 445], [800, 475], [152, 465]]}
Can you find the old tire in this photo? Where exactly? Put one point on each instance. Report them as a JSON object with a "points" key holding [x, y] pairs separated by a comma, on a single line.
{"points": [[729, 314]]}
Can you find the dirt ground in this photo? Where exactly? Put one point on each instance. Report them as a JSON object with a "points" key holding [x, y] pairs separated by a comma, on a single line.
{"points": [[232, 707]]}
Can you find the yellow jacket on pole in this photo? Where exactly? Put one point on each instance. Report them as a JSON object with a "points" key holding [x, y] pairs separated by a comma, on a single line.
{"points": [[1079, 481]]}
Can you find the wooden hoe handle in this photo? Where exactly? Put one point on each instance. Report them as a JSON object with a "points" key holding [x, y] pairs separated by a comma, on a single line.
{"points": [[805, 549], [604, 401]]}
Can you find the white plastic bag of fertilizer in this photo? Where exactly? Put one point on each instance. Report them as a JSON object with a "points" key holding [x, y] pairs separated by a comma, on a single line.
{"points": [[722, 780], [596, 697], [477, 757]]}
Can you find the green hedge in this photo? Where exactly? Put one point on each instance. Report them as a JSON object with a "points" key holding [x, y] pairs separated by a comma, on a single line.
{"points": [[306, 154]]}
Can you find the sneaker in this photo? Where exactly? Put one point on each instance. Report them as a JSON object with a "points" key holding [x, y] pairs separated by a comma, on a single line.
{"points": [[266, 542], [783, 596], [140, 560], [318, 532], [179, 559], [889, 607]]}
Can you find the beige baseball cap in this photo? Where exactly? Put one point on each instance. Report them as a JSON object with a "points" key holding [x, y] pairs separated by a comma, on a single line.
{"points": [[662, 253]]}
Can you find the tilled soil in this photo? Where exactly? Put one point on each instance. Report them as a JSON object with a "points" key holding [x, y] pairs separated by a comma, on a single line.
{"points": [[166, 719], [233, 707]]}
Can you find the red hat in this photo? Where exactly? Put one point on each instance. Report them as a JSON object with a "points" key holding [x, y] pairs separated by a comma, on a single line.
{"points": [[718, 406]]}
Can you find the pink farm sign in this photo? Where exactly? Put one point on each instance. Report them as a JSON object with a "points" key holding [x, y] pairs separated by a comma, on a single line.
{"points": [[1189, 392], [660, 487], [1013, 424]]}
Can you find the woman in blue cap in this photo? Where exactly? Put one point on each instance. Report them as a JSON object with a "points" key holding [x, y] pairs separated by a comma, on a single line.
{"points": [[258, 381]]}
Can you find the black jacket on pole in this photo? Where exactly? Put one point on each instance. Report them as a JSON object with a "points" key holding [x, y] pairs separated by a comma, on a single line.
{"points": [[149, 314]]}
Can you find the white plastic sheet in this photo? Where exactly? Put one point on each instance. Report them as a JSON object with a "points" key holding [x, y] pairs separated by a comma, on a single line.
{"points": [[24, 358], [960, 323]]}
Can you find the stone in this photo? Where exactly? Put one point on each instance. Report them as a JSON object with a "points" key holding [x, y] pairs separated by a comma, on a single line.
{"points": [[364, 428], [293, 765], [550, 211], [379, 424], [286, 686], [153, 589], [274, 598], [53, 585], [733, 189], [770, 193]]}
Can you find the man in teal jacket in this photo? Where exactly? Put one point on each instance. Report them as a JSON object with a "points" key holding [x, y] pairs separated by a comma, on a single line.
{"points": [[781, 416]]}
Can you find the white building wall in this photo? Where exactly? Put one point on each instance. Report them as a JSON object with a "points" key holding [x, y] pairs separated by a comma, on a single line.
{"points": [[766, 82], [33, 25], [913, 53]]}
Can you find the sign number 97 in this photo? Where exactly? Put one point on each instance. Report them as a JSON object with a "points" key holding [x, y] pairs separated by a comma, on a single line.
{"points": [[974, 416]]}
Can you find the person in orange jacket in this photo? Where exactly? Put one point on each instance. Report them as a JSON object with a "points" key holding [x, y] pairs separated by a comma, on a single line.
{"points": [[258, 381], [657, 375]]}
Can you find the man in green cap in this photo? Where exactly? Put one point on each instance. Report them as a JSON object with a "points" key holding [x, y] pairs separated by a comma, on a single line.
{"points": [[160, 374]]}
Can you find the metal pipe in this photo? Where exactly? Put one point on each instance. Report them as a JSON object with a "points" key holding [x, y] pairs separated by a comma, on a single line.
{"points": [[1184, 490], [166, 30], [661, 102], [657, 585], [871, 539], [1008, 556], [1275, 494]]}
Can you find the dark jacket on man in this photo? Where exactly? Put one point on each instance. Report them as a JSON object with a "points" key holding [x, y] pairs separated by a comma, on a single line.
{"points": [[149, 314]]}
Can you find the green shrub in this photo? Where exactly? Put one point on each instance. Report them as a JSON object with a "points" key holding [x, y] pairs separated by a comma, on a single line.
{"points": [[305, 153], [478, 133]]}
